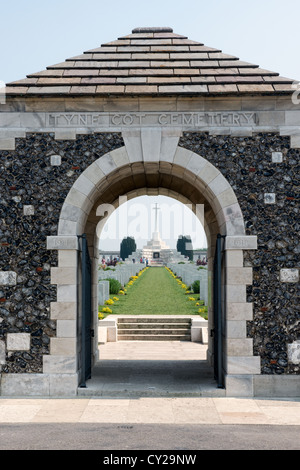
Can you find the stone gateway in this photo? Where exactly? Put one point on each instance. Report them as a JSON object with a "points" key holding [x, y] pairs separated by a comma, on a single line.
{"points": [[150, 113]]}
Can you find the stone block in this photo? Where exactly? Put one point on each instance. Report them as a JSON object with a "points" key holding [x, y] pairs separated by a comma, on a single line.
{"points": [[59, 364], [292, 118], [239, 346], [269, 198], [66, 293], [7, 144], [272, 118], [27, 385], [236, 329], [243, 365], [69, 228], [234, 258], [233, 219], [10, 120], [289, 275], [2, 352], [204, 335], [120, 157], [28, 210], [196, 334], [66, 328], [239, 385], [9, 133], [236, 293], [18, 341], [63, 384], [247, 242], [84, 184], [239, 275], [92, 173], [62, 243], [208, 173], [55, 160], [74, 213], [182, 157], [226, 198], [169, 143], [294, 352], [196, 163], [133, 144], [295, 141], [276, 386], [112, 334], [8, 278], [65, 134], [67, 258], [63, 346], [277, 157], [151, 143], [241, 131], [106, 164], [63, 310], [102, 334], [237, 311]]}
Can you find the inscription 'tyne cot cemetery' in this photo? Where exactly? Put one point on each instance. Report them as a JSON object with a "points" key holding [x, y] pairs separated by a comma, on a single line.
{"points": [[222, 119]]}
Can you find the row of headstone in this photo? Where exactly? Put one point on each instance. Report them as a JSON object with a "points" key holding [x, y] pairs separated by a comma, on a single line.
{"points": [[190, 273], [121, 272]]}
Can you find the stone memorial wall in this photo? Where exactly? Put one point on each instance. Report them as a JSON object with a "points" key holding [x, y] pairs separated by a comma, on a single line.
{"points": [[31, 177], [259, 166], [159, 114]]}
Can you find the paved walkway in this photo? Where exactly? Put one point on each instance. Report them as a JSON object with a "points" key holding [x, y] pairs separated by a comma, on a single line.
{"points": [[117, 401]]}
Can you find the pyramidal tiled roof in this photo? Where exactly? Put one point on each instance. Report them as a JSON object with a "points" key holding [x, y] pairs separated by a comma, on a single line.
{"points": [[152, 61]]}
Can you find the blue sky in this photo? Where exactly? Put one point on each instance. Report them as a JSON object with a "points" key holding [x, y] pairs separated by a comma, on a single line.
{"points": [[35, 34]]}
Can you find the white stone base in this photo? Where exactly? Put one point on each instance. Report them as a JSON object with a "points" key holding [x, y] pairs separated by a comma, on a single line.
{"points": [[39, 385], [107, 331], [66, 385], [199, 331]]}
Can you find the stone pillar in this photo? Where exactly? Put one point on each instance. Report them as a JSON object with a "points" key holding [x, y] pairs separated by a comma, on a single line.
{"points": [[240, 364], [62, 363]]}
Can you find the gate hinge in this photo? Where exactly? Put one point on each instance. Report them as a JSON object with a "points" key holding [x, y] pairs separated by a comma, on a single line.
{"points": [[92, 333], [212, 333]]}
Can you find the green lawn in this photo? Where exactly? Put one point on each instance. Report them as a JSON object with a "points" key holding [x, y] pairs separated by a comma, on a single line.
{"points": [[155, 292]]}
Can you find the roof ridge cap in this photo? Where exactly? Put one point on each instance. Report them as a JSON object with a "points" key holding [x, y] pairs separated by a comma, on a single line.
{"points": [[153, 30]]}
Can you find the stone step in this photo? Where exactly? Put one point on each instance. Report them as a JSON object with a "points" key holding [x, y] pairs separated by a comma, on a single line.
{"points": [[153, 320], [154, 337], [153, 326], [154, 331]]}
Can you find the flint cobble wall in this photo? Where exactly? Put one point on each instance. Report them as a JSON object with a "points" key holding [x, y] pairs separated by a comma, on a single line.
{"points": [[246, 162], [29, 180]]}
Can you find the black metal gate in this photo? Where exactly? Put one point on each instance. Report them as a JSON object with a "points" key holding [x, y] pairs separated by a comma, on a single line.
{"points": [[86, 307], [218, 317]]}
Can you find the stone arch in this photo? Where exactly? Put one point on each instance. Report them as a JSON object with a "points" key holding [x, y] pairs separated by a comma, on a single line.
{"points": [[188, 177], [213, 185]]}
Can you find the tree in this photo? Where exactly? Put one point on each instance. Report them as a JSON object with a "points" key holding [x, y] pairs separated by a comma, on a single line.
{"points": [[185, 246], [127, 247]]}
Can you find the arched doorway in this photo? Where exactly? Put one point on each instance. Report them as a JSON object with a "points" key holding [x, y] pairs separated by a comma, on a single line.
{"points": [[191, 179]]}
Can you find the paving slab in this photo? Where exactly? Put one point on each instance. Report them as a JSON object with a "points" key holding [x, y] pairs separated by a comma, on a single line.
{"points": [[166, 372]]}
